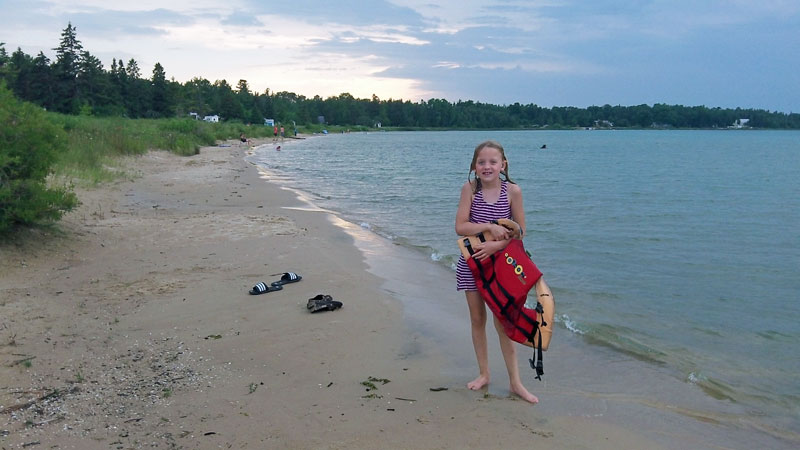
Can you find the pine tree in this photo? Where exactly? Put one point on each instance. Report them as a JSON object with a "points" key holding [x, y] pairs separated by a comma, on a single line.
{"points": [[20, 70], [136, 93], [3, 55], [133, 69], [68, 53], [159, 101], [119, 86], [42, 82], [67, 67], [94, 85]]}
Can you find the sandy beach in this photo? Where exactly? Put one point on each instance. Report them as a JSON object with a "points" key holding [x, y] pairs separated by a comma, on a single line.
{"points": [[129, 325]]}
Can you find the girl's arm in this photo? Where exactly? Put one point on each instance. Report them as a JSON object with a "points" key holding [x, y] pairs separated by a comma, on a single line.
{"points": [[463, 226]]}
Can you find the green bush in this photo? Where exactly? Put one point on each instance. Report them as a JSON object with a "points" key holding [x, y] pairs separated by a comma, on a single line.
{"points": [[28, 148]]}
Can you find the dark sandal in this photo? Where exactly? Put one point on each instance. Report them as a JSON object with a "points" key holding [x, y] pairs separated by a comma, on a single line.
{"points": [[262, 288], [319, 298], [326, 305], [286, 278]]}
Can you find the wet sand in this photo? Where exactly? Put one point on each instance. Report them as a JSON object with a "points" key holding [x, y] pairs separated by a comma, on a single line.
{"points": [[129, 325]]}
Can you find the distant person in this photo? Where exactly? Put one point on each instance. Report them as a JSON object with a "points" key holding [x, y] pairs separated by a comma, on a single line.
{"points": [[275, 134], [543, 146], [244, 139], [489, 197], [282, 133]]}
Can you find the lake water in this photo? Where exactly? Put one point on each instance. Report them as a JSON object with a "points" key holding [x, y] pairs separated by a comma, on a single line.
{"points": [[680, 249]]}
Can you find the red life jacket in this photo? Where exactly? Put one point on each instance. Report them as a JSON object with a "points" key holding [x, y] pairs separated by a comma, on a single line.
{"points": [[504, 280]]}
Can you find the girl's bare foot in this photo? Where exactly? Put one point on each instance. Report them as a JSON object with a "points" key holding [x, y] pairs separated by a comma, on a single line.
{"points": [[524, 394], [478, 383]]}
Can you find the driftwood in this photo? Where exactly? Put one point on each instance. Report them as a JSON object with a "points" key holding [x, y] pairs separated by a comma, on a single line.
{"points": [[52, 394], [22, 361]]}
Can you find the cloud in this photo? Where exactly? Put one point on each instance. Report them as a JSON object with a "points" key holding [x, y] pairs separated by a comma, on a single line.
{"points": [[342, 12], [241, 19], [68, 7], [453, 17], [489, 50]]}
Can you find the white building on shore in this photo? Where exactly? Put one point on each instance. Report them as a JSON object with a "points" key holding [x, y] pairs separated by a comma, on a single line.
{"points": [[741, 123]]}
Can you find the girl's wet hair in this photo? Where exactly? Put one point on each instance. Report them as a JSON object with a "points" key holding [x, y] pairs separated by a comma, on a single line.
{"points": [[476, 186]]}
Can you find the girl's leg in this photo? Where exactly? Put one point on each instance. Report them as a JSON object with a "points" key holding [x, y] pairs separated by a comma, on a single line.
{"points": [[477, 317], [510, 356]]}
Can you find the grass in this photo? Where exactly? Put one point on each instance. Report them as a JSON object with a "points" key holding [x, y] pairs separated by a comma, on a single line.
{"points": [[96, 144], [91, 150]]}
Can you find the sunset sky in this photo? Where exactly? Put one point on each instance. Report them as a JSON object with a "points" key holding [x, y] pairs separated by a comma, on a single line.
{"points": [[551, 53]]}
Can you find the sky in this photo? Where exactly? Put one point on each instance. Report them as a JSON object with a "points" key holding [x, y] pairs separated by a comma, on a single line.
{"points": [[728, 54]]}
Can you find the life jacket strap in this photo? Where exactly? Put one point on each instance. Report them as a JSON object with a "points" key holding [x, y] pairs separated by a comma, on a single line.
{"points": [[536, 362], [468, 244], [536, 359]]}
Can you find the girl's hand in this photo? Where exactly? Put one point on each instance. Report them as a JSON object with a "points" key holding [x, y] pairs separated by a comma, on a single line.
{"points": [[487, 249], [499, 232]]}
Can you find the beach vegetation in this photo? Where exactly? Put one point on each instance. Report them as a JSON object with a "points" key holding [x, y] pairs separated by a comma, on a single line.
{"points": [[369, 383], [43, 154], [29, 147], [95, 144]]}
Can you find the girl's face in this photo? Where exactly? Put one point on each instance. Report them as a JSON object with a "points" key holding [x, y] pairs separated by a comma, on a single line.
{"points": [[489, 164]]}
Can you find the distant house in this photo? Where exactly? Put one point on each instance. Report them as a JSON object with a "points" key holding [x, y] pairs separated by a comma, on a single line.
{"points": [[194, 115], [269, 122], [213, 119], [603, 124], [741, 123]]}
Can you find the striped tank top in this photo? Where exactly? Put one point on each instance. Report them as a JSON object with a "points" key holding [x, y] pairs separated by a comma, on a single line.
{"points": [[482, 212]]}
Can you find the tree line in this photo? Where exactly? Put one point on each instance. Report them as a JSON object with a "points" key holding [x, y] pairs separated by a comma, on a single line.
{"points": [[77, 83]]}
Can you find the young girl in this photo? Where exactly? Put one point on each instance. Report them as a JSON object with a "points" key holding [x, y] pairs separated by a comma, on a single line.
{"points": [[483, 200]]}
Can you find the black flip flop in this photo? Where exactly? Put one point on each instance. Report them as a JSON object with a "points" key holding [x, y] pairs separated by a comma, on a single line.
{"points": [[326, 305], [262, 288], [286, 278], [318, 299]]}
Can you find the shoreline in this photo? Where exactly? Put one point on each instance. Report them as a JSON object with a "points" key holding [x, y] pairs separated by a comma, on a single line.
{"points": [[140, 331], [605, 371]]}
